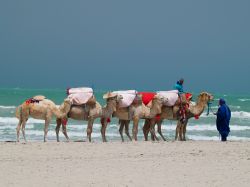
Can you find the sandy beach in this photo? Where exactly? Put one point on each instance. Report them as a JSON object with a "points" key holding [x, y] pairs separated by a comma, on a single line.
{"points": [[191, 163]]}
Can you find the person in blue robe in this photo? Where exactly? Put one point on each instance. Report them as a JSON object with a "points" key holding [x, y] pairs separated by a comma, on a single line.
{"points": [[223, 119]]}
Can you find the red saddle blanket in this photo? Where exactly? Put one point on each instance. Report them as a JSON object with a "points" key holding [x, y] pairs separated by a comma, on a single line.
{"points": [[147, 97]]}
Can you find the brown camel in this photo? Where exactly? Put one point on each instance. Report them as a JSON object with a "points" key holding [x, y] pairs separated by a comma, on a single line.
{"points": [[137, 111], [172, 113], [39, 107], [89, 113]]}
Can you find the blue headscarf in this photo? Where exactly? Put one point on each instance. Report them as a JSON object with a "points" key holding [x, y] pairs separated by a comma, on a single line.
{"points": [[222, 101]]}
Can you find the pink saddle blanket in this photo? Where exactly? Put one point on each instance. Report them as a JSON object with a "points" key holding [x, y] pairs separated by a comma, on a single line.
{"points": [[79, 96], [128, 97]]}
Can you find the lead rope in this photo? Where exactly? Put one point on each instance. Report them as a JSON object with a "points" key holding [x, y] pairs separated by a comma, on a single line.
{"points": [[209, 108]]}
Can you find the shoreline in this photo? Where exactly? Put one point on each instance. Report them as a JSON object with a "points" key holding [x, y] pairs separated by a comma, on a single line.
{"points": [[171, 163]]}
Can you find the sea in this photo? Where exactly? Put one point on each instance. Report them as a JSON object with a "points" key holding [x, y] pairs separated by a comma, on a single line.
{"points": [[202, 129]]}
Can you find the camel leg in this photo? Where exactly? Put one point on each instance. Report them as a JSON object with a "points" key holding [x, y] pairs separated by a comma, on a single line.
{"points": [[146, 129], [64, 130], [152, 130], [18, 130], [184, 130], [177, 131], [122, 123], [127, 130], [135, 127], [103, 129], [46, 128], [180, 133], [152, 136], [23, 130], [90, 128], [63, 122], [159, 130], [58, 125]]}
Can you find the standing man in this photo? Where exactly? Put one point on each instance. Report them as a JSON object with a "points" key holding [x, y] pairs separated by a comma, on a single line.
{"points": [[223, 119]]}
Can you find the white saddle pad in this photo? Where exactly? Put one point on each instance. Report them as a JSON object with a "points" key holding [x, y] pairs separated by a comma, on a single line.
{"points": [[170, 96], [79, 96], [128, 97], [80, 90]]}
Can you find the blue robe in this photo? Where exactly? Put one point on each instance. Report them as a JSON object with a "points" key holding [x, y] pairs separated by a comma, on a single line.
{"points": [[223, 119]]}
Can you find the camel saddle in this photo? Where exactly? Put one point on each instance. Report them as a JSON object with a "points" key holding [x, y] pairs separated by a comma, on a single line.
{"points": [[80, 96], [35, 99], [147, 97], [174, 98], [128, 97], [79, 90]]}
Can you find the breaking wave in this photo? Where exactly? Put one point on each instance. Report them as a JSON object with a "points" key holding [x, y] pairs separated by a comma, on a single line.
{"points": [[217, 138], [244, 99], [7, 107]]}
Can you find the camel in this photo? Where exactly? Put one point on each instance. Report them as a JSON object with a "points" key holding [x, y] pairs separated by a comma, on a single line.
{"points": [[39, 107], [135, 112], [89, 113], [172, 113]]}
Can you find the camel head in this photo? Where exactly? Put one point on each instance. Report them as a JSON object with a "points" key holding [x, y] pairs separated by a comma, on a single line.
{"points": [[205, 97], [112, 100], [158, 102]]}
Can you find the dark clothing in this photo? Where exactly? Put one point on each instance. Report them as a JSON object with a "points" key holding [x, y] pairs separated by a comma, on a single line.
{"points": [[223, 138], [223, 120]]}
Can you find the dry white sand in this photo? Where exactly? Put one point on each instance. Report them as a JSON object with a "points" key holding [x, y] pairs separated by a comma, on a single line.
{"points": [[191, 163]]}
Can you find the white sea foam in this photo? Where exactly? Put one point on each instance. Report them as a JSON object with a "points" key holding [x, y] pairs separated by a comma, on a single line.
{"points": [[13, 127], [244, 99], [71, 134], [235, 114], [241, 114], [217, 138], [7, 107], [205, 127], [13, 120], [231, 106]]}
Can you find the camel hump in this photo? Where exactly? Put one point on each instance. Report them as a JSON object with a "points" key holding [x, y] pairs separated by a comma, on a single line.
{"points": [[39, 97]]}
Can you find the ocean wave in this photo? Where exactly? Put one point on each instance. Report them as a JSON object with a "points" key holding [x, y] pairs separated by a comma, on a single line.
{"points": [[13, 127], [52, 133], [206, 127], [13, 120], [217, 138], [235, 114], [240, 114], [7, 107], [230, 106], [244, 99]]}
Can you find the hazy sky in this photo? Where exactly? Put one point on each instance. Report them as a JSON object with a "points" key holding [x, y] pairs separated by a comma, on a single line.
{"points": [[143, 45]]}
